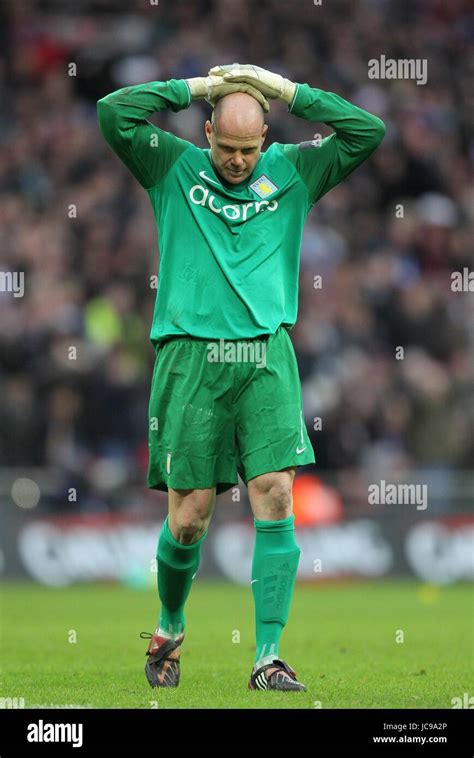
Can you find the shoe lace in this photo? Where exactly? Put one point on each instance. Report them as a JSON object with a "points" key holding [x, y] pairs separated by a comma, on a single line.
{"points": [[146, 635]]}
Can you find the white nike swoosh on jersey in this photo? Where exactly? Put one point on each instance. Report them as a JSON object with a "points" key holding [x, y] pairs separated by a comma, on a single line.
{"points": [[300, 450], [253, 580], [203, 175]]}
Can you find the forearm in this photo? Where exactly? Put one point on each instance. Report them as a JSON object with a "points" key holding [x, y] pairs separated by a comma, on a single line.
{"points": [[356, 130], [126, 108], [148, 151]]}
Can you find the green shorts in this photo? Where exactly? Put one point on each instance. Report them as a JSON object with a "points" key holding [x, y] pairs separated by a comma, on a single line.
{"points": [[223, 408]]}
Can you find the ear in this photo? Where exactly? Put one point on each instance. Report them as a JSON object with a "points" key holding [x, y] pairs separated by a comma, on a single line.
{"points": [[208, 130], [264, 132]]}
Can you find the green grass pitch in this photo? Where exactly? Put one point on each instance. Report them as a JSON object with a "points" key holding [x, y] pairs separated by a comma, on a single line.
{"points": [[341, 640]]}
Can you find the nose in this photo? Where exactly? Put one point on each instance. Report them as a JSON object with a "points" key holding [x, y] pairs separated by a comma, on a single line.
{"points": [[237, 161]]}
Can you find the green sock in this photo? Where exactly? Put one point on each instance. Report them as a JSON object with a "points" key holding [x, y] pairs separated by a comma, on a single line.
{"points": [[177, 565], [275, 562]]}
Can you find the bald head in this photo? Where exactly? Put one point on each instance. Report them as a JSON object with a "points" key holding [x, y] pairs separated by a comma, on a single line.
{"points": [[238, 115], [236, 135]]}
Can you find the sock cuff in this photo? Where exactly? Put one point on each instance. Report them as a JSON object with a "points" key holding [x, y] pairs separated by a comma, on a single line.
{"points": [[283, 525]]}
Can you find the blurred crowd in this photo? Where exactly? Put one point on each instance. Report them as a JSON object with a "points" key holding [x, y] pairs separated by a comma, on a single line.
{"points": [[384, 344]]}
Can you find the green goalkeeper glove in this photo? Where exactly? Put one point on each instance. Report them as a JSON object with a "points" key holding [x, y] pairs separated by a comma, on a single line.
{"points": [[212, 88], [269, 84]]}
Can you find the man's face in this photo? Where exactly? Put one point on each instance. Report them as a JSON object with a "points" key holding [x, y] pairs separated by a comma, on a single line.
{"points": [[234, 158]]}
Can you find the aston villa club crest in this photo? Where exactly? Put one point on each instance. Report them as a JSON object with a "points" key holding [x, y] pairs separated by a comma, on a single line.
{"points": [[263, 187]]}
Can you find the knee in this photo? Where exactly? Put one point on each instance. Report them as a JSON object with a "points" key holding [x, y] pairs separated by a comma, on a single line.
{"points": [[190, 520], [188, 528], [280, 500], [273, 497]]}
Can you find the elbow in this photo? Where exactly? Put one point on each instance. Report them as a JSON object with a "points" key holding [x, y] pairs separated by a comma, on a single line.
{"points": [[104, 115], [102, 107], [379, 130]]}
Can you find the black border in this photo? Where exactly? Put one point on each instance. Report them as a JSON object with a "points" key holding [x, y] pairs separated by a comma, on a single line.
{"points": [[228, 731]]}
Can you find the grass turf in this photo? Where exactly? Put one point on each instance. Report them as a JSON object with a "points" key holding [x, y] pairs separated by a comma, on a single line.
{"points": [[340, 639]]}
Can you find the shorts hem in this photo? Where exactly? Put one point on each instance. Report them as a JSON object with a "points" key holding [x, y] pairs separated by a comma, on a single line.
{"points": [[220, 486], [271, 468]]}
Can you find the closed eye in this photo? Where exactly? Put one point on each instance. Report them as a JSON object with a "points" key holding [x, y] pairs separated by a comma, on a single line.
{"points": [[245, 151]]}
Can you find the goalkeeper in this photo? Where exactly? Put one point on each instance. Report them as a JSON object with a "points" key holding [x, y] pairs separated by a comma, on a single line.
{"points": [[225, 394]]}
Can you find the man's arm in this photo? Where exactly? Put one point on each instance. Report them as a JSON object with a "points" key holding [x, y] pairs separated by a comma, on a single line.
{"points": [[148, 151], [357, 133]]}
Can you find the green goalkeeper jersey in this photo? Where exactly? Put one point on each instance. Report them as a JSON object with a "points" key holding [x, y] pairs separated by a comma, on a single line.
{"points": [[229, 254]]}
